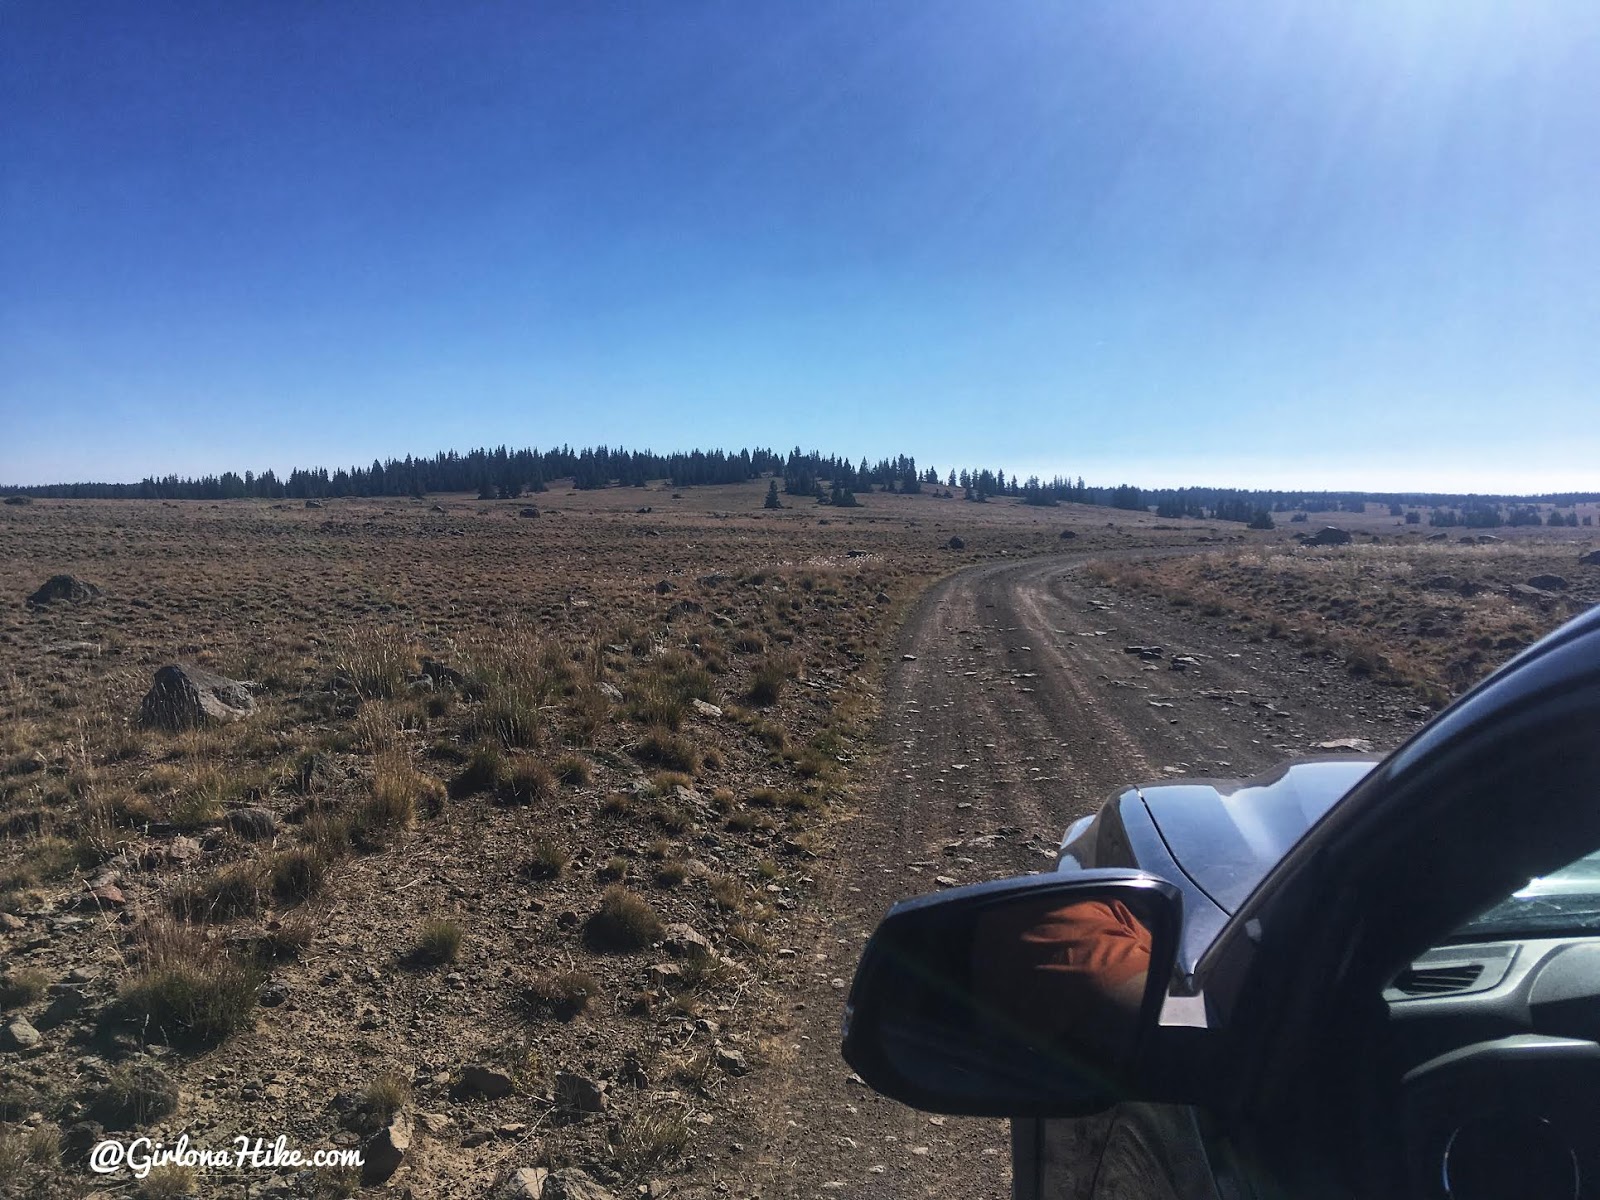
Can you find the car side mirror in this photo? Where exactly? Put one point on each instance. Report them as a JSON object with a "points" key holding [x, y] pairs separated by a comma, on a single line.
{"points": [[1029, 997]]}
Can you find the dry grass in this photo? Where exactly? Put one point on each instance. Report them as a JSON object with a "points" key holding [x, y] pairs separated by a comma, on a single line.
{"points": [[545, 637], [1432, 618], [562, 994], [652, 1137], [387, 1094], [624, 921], [187, 990], [662, 748], [377, 660], [438, 941], [22, 986], [547, 859]]}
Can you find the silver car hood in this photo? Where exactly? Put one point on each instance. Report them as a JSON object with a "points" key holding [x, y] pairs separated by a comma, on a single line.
{"points": [[1227, 834]]}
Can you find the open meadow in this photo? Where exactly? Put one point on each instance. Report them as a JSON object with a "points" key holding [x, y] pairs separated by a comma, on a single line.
{"points": [[506, 856], [509, 843]]}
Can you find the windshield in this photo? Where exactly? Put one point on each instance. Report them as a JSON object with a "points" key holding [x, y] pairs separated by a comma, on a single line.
{"points": [[1566, 901]]}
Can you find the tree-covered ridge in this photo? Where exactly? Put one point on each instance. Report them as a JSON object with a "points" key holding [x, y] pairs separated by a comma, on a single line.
{"points": [[833, 478]]}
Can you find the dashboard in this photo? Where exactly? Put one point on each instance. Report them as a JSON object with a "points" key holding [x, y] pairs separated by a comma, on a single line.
{"points": [[1499, 1046]]}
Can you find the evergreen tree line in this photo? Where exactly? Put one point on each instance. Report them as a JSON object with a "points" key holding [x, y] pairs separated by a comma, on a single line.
{"points": [[830, 478]]}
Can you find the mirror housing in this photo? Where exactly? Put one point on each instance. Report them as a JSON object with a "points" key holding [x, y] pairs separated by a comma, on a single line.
{"points": [[1031, 997]]}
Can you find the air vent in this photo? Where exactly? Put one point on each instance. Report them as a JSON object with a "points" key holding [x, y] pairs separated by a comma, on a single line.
{"points": [[1438, 981]]}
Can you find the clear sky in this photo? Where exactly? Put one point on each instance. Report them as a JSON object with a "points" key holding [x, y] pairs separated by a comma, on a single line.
{"points": [[1298, 243]]}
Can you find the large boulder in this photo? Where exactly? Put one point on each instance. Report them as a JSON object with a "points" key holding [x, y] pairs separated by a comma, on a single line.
{"points": [[67, 589], [1548, 583], [1591, 559], [1329, 535], [184, 697], [1524, 591]]}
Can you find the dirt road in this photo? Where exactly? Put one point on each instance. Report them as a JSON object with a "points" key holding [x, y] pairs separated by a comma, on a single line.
{"points": [[1012, 709]]}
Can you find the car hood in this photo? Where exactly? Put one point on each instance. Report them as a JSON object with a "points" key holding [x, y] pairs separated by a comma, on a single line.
{"points": [[1227, 834]]}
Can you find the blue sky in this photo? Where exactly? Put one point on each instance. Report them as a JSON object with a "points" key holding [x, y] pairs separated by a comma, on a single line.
{"points": [[1302, 244]]}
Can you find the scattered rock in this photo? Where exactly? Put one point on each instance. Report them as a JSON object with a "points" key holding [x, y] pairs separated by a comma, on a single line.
{"points": [[610, 691], [1549, 583], [525, 1183], [579, 1093], [664, 975], [732, 1061], [704, 709], [663, 587], [314, 504], [956, 543], [386, 1150], [685, 942], [19, 1035], [1067, 535], [1591, 559], [1523, 591], [185, 697], [486, 1081], [434, 1123], [106, 895], [180, 849], [273, 993], [442, 674], [67, 589], [530, 511], [572, 1184], [1351, 745], [12, 924], [72, 649], [253, 824]]}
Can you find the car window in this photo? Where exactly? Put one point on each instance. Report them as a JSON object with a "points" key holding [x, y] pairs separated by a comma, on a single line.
{"points": [[1565, 901]]}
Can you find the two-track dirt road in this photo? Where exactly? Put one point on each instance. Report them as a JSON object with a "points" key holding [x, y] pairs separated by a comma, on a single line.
{"points": [[1012, 708]]}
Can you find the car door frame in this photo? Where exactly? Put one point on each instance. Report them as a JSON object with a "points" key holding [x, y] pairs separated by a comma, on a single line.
{"points": [[1396, 865]]}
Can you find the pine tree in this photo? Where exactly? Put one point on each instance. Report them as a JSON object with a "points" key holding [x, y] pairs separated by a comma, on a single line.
{"points": [[772, 500]]}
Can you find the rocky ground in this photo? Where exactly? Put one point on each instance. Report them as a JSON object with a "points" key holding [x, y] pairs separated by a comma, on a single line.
{"points": [[541, 858], [502, 865]]}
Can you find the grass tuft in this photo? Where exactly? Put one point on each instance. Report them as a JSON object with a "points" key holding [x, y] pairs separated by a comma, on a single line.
{"points": [[438, 941], [563, 995], [624, 921], [187, 990]]}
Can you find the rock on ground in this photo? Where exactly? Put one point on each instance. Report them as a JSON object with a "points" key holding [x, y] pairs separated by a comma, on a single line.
{"points": [[19, 1035], [486, 1081], [387, 1149], [573, 1184], [1329, 535], [526, 1183], [575, 1092], [184, 696], [67, 588]]}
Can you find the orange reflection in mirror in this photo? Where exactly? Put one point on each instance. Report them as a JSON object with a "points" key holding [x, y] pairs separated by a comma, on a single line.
{"points": [[1057, 972]]}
